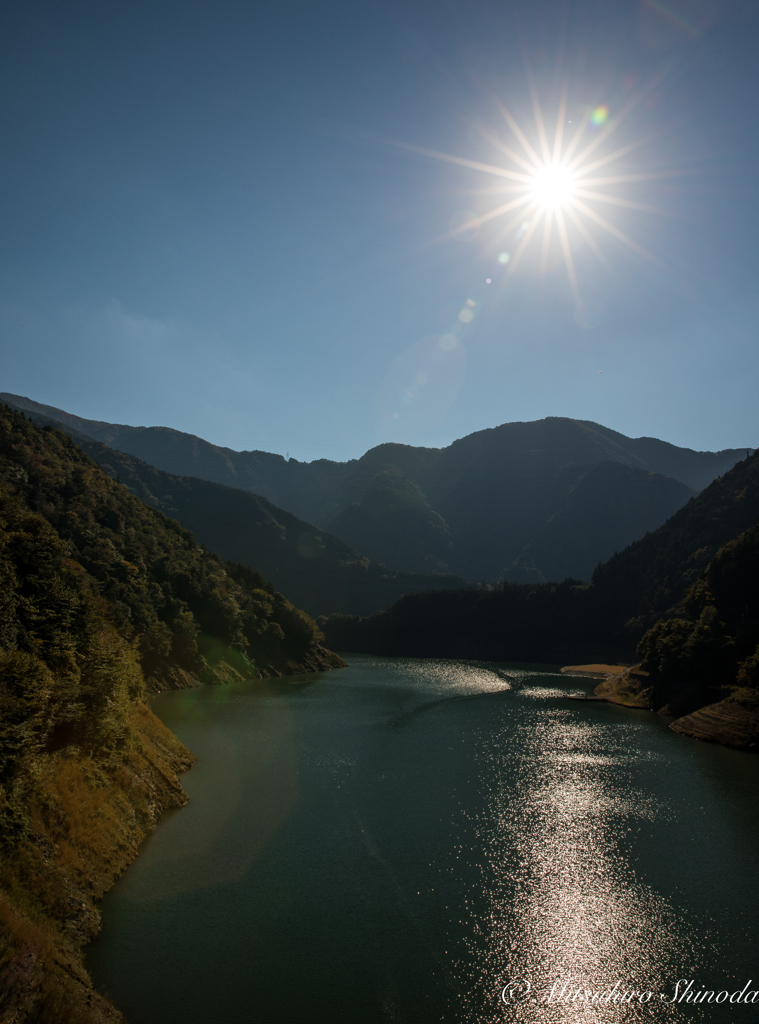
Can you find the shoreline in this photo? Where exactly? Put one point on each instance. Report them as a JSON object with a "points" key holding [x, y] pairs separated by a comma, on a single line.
{"points": [[100, 818], [726, 722], [87, 822]]}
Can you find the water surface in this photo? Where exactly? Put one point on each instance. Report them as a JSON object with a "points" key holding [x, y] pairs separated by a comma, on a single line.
{"points": [[402, 840]]}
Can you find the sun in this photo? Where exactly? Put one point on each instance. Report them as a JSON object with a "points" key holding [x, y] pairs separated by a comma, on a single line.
{"points": [[559, 184], [553, 186]]}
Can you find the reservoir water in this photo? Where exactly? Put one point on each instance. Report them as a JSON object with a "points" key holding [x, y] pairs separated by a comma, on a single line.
{"points": [[416, 841]]}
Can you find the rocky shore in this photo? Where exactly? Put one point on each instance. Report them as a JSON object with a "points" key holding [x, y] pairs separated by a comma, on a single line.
{"points": [[730, 722], [726, 722]]}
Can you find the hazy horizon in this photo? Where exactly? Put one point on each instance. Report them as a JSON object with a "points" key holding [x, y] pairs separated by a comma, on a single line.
{"points": [[337, 458]]}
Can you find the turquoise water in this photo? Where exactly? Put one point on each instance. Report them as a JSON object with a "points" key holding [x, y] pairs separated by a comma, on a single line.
{"points": [[402, 840]]}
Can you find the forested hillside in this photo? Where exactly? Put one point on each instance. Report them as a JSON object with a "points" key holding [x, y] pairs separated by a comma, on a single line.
{"points": [[570, 621], [319, 572], [101, 599], [177, 602], [713, 640]]}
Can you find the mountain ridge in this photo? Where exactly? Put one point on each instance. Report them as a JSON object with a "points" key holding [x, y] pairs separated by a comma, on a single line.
{"points": [[323, 574], [479, 508], [571, 621]]}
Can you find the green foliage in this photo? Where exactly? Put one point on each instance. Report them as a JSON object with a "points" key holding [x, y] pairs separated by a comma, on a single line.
{"points": [[99, 596], [697, 652], [26, 688], [82, 550], [652, 576], [714, 644], [99, 593], [730, 580], [748, 671]]}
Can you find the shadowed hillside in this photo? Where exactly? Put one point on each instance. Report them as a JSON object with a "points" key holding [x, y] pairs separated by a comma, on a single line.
{"points": [[569, 621], [516, 502], [322, 573]]}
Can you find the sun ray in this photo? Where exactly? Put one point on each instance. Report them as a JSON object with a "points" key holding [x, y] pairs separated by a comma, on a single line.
{"points": [[475, 222], [609, 128], [577, 136], [543, 138], [519, 134], [494, 140], [494, 190], [522, 216], [561, 228], [616, 155], [623, 114], [629, 179], [506, 208], [629, 204], [589, 239], [461, 161], [601, 137], [558, 181], [615, 231], [524, 243], [561, 117], [547, 229]]}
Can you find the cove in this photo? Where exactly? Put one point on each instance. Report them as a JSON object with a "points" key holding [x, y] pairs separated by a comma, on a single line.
{"points": [[412, 840]]}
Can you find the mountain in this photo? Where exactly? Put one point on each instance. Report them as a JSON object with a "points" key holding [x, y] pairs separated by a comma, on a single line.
{"points": [[604, 507], [102, 600], [570, 621], [516, 502], [321, 573], [497, 489]]}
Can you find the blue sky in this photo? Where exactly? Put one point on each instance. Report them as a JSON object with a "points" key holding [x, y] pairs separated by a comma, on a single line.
{"points": [[216, 217]]}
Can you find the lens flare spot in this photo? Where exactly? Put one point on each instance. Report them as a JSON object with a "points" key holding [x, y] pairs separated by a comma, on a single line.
{"points": [[420, 386], [599, 115], [466, 315], [504, 258]]}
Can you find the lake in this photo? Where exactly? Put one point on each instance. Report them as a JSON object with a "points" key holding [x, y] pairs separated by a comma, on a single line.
{"points": [[421, 840]]}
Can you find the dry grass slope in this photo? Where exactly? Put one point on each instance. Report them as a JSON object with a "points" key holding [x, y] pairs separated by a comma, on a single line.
{"points": [[87, 820]]}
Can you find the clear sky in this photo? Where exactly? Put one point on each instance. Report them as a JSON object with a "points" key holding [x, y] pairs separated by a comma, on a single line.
{"points": [[224, 217]]}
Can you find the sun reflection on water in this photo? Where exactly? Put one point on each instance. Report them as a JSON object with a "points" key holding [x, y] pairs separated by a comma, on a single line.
{"points": [[402, 840], [564, 908]]}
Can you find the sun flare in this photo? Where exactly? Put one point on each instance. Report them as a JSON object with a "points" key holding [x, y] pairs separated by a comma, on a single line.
{"points": [[558, 184]]}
